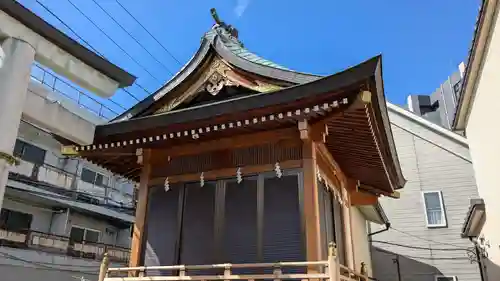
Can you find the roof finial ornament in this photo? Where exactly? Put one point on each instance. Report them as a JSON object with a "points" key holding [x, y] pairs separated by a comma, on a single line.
{"points": [[229, 28]]}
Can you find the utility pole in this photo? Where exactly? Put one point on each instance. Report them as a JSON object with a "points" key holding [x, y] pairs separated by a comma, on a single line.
{"points": [[396, 261]]}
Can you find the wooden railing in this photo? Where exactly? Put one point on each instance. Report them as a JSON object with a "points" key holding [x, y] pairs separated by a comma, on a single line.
{"points": [[330, 269], [62, 245]]}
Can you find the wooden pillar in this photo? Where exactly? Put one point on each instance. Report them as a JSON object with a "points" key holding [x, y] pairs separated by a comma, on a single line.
{"points": [[138, 236], [349, 242], [310, 196]]}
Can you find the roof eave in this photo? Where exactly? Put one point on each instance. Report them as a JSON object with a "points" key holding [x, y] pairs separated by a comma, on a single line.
{"points": [[340, 80], [66, 43], [396, 167], [183, 73], [216, 43], [474, 220], [262, 70], [484, 26]]}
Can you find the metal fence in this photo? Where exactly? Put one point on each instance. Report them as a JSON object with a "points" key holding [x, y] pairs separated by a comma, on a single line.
{"points": [[57, 244]]}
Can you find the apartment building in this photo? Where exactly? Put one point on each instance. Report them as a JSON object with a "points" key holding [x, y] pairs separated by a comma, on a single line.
{"points": [[440, 106], [423, 242], [59, 215]]}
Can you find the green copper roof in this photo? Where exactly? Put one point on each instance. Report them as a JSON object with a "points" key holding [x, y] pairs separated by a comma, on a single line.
{"points": [[236, 47]]}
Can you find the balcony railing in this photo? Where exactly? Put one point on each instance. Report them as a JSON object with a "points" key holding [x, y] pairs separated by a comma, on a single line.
{"points": [[84, 100], [63, 182], [330, 269], [62, 245]]}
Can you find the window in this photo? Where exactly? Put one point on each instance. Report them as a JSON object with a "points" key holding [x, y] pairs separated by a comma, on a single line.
{"points": [[434, 209], [80, 234], [29, 152], [456, 88], [446, 278], [94, 178], [15, 221]]}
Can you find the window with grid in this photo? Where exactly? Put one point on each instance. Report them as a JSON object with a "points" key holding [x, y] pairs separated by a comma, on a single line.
{"points": [[94, 178], [15, 221], [434, 209], [29, 152], [456, 89], [80, 234]]}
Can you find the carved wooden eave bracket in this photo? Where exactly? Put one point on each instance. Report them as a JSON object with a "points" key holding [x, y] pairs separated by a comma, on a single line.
{"points": [[213, 79]]}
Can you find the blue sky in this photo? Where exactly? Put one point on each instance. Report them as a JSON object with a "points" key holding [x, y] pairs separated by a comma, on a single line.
{"points": [[422, 42]]}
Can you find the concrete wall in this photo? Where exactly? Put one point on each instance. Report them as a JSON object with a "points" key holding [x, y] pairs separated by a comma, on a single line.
{"points": [[483, 135], [431, 160], [359, 235], [28, 265], [50, 114]]}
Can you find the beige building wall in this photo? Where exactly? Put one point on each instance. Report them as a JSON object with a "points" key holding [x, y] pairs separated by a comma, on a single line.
{"points": [[361, 245], [483, 134]]}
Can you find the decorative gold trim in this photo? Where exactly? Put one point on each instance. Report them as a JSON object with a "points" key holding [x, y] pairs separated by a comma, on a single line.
{"points": [[395, 195], [13, 161], [213, 79], [69, 150]]}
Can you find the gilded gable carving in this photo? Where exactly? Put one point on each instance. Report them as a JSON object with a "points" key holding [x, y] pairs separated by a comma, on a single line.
{"points": [[215, 77]]}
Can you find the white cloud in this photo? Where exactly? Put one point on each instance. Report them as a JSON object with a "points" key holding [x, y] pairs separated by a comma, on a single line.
{"points": [[241, 6]]}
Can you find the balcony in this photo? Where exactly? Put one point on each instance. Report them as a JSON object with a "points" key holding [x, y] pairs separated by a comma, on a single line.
{"points": [[59, 181], [56, 244]]}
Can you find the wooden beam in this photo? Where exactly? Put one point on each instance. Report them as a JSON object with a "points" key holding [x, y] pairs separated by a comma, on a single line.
{"points": [[239, 141], [324, 153], [351, 184], [139, 236], [327, 170], [226, 172], [363, 198], [310, 197]]}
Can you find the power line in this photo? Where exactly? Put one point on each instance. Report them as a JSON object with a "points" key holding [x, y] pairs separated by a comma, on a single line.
{"points": [[143, 88], [86, 42], [428, 240], [150, 34], [422, 258], [131, 36], [68, 27], [419, 247], [114, 42]]}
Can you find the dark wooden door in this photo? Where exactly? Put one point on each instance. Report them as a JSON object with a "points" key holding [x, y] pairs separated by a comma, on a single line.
{"points": [[198, 219], [282, 234], [239, 233], [162, 226]]}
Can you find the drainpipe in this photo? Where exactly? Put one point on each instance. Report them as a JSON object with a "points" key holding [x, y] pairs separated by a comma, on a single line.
{"points": [[387, 227], [478, 257]]}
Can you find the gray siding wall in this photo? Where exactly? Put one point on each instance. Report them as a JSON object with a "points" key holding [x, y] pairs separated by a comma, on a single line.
{"points": [[430, 162]]}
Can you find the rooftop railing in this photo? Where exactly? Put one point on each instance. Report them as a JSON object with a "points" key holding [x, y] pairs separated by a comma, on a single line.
{"points": [[69, 184], [83, 99], [57, 244]]}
